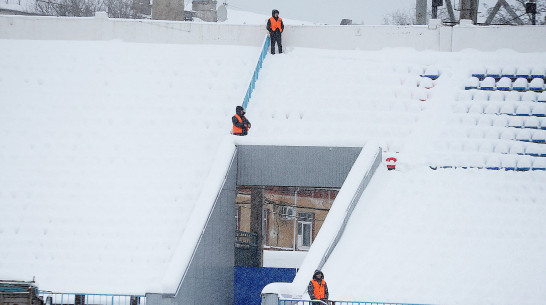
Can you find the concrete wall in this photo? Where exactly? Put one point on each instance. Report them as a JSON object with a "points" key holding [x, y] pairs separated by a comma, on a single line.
{"points": [[209, 278], [524, 38], [145, 31], [361, 37], [295, 166], [440, 38]]}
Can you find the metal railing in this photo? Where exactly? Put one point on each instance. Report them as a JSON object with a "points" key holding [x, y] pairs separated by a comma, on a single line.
{"points": [[54, 298], [252, 84], [317, 302]]}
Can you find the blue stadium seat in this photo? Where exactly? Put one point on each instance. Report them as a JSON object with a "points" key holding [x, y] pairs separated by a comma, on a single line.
{"points": [[478, 72], [504, 84], [537, 84], [539, 164], [500, 121], [542, 97], [524, 72], [508, 134], [488, 83], [523, 164], [502, 148], [481, 95], [534, 150], [517, 148], [492, 108], [538, 72], [538, 136], [476, 108], [539, 110], [493, 163], [515, 122], [524, 135], [529, 96], [472, 83], [508, 108], [523, 109], [509, 72], [531, 122], [520, 84], [512, 96], [509, 163], [431, 72], [494, 72], [497, 96]]}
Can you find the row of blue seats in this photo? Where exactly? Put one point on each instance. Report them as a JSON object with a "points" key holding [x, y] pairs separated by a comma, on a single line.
{"points": [[499, 96], [499, 108], [505, 84], [511, 72], [509, 168]]}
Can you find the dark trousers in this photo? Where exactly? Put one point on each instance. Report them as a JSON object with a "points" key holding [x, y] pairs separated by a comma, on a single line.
{"points": [[276, 37]]}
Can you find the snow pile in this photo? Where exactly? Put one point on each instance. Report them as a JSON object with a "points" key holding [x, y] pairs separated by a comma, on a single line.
{"points": [[283, 259], [351, 95], [104, 150], [444, 237]]}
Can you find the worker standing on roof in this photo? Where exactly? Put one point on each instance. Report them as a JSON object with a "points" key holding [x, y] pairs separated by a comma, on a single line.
{"points": [[275, 28], [241, 125], [317, 289]]}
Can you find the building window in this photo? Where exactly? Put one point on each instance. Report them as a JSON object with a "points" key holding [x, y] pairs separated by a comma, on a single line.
{"points": [[305, 230]]}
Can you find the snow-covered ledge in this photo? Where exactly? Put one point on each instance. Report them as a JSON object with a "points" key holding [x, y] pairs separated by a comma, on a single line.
{"points": [[332, 229]]}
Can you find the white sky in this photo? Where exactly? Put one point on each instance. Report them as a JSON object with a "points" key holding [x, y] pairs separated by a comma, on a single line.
{"points": [[331, 12], [326, 11]]}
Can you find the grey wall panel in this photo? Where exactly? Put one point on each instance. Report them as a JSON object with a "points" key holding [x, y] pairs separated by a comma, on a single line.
{"points": [[295, 165], [209, 278]]}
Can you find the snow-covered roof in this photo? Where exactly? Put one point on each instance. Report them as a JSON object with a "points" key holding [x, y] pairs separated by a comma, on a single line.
{"points": [[104, 150], [444, 237], [105, 145]]}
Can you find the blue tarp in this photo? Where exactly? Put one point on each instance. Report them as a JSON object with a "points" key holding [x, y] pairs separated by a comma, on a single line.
{"points": [[249, 282]]}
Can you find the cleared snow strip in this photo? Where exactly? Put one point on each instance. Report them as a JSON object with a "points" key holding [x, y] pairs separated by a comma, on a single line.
{"points": [[332, 229], [196, 225]]}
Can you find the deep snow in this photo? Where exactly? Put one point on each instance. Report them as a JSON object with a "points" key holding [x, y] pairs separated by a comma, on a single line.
{"points": [[114, 141]]}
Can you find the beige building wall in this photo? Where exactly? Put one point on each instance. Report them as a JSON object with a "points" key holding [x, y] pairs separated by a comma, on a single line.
{"points": [[281, 229]]}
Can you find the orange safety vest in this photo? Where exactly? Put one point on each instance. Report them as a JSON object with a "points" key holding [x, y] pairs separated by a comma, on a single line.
{"points": [[235, 128], [275, 24], [319, 290]]}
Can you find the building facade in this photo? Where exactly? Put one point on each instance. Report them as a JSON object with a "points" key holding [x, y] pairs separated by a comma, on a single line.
{"points": [[292, 216]]}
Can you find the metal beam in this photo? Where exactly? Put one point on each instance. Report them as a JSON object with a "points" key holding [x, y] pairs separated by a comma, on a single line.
{"points": [[512, 13], [494, 12], [508, 8]]}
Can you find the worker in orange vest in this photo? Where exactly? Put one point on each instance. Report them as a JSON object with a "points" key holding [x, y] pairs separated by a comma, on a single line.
{"points": [[317, 289], [241, 125], [275, 28]]}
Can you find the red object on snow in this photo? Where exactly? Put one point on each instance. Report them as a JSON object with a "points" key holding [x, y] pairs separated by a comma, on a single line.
{"points": [[391, 163]]}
